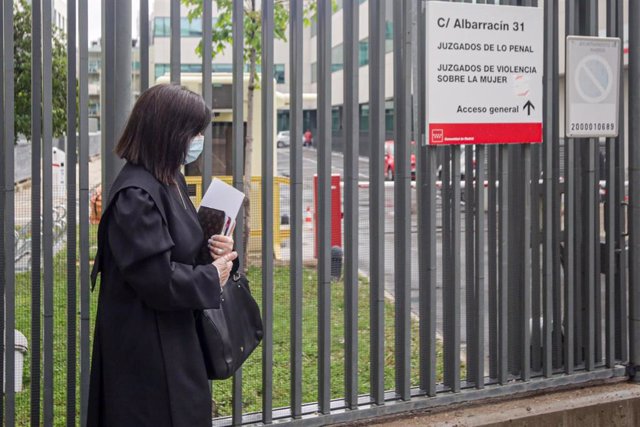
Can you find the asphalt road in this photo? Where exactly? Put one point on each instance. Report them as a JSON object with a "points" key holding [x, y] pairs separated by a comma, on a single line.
{"points": [[337, 167]]}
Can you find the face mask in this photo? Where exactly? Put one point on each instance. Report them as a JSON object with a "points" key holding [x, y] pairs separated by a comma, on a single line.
{"points": [[195, 149]]}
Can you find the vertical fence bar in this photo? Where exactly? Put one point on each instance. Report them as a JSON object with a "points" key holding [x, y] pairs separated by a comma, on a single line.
{"points": [[207, 90], [526, 288], [144, 45], [479, 280], [4, 238], [492, 257], [324, 205], [402, 201], [591, 22], [296, 173], [376, 193], [36, 194], [456, 200], [427, 224], [569, 228], [72, 161], [238, 159], [8, 287], [267, 209], [622, 325], [351, 204], [634, 190], [515, 254], [237, 101], [554, 287], [469, 241], [116, 84], [83, 154], [174, 43], [107, 87], [550, 177], [536, 272], [610, 212], [503, 267], [579, 220], [47, 214], [447, 268]]}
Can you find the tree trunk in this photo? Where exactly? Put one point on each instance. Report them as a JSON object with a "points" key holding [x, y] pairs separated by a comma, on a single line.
{"points": [[248, 153]]}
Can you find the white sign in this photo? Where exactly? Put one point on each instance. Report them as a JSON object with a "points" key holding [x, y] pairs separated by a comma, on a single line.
{"points": [[484, 68], [592, 88]]}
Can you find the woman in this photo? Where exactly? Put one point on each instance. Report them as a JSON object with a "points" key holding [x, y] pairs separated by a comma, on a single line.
{"points": [[148, 368]]}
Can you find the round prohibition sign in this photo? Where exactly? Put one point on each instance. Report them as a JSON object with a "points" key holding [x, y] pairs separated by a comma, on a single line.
{"points": [[593, 79]]}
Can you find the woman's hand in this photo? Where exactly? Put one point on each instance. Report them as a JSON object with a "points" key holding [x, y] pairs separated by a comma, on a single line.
{"points": [[224, 264], [220, 246]]}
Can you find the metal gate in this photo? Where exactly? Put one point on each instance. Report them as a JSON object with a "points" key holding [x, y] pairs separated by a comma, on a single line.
{"points": [[521, 276]]}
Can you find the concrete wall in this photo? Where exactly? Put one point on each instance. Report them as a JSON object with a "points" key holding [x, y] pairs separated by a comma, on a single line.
{"points": [[22, 159]]}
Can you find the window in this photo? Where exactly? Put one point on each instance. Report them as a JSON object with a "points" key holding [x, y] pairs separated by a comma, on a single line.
{"points": [[364, 117], [336, 118], [94, 66], [338, 5], [337, 58], [388, 115], [94, 109], [191, 29], [162, 69], [363, 54], [278, 73], [314, 26], [191, 68], [135, 65], [222, 68], [314, 72], [388, 37], [162, 27]]}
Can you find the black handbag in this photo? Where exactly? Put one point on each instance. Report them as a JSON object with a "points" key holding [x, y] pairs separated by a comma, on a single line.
{"points": [[229, 334]]}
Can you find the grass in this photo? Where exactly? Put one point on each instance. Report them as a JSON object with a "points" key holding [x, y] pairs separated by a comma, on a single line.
{"points": [[23, 324], [252, 372]]}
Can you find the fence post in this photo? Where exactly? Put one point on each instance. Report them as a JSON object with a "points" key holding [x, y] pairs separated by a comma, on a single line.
{"points": [[7, 287], [116, 83], [634, 192]]}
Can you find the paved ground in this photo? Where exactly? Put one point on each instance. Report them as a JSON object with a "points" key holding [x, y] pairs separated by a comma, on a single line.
{"points": [[596, 406]]}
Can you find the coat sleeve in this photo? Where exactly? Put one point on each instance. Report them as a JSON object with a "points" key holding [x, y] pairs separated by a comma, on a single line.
{"points": [[141, 244]]}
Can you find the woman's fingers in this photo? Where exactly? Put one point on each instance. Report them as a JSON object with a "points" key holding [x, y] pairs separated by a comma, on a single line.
{"points": [[220, 245]]}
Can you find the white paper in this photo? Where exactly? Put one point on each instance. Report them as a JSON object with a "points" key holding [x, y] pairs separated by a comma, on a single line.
{"points": [[223, 197]]}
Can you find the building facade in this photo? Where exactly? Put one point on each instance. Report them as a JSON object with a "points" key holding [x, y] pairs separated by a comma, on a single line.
{"points": [[94, 77]]}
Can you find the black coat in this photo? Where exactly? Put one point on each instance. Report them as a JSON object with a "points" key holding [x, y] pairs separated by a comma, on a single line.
{"points": [[147, 367]]}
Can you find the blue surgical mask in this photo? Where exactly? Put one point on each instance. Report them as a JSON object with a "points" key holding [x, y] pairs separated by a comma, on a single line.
{"points": [[195, 149]]}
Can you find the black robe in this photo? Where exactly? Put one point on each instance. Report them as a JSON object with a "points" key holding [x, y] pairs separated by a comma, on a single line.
{"points": [[147, 367]]}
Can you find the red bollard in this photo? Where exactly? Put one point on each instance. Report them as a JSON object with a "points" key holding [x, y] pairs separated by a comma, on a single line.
{"points": [[336, 212]]}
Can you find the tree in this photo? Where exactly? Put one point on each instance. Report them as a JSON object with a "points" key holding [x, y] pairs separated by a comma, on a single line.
{"points": [[223, 37], [22, 64]]}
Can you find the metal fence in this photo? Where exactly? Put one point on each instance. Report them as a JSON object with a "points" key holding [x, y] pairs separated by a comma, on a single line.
{"points": [[518, 277]]}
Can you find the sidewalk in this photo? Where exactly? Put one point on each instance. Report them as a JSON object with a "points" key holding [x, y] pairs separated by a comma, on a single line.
{"points": [[611, 404]]}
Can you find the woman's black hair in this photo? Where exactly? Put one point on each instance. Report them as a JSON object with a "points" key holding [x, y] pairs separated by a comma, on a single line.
{"points": [[162, 123]]}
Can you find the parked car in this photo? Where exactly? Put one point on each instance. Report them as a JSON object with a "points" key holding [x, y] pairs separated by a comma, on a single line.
{"points": [[389, 160], [283, 139]]}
